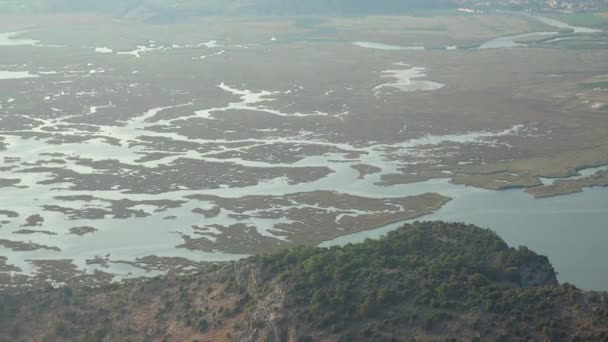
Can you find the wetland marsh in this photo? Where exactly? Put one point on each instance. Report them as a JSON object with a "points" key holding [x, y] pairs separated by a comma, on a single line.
{"points": [[138, 149]]}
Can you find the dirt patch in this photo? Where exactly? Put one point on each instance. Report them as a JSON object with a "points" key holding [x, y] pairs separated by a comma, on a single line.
{"points": [[20, 246], [564, 187], [33, 221], [365, 170], [8, 182], [81, 231], [9, 213], [30, 231], [6, 267], [303, 218], [498, 181], [179, 175]]}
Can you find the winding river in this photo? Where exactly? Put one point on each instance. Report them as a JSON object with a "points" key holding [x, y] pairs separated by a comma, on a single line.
{"points": [[512, 40]]}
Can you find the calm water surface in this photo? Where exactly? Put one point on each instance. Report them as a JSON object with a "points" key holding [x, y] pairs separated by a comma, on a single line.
{"points": [[571, 230]]}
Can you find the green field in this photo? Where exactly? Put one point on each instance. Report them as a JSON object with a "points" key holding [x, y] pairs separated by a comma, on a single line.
{"points": [[595, 85], [583, 19]]}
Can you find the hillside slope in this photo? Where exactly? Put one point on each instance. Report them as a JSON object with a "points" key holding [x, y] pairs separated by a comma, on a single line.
{"points": [[426, 281]]}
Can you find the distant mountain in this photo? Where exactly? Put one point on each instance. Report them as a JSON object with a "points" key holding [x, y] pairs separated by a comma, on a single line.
{"points": [[428, 281]]}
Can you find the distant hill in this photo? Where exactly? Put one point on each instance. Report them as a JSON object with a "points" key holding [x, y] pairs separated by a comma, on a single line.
{"points": [[426, 281], [214, 7], [284, 7]]}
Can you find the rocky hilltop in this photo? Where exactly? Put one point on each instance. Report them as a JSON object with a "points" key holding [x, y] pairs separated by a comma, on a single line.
{"points": [[425, 281]]}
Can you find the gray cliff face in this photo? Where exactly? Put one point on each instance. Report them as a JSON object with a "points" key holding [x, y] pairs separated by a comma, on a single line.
{"points": [[538, 272], [269, 321]]}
